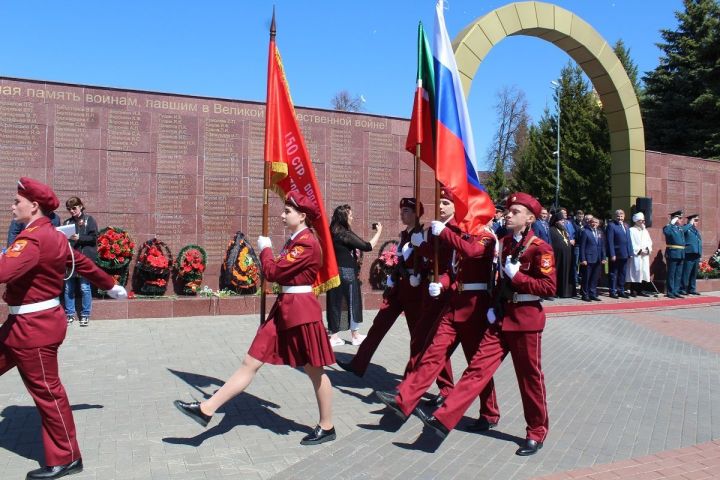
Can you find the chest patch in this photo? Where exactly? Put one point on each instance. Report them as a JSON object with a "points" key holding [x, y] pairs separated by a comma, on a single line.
{"points": [[16, 248]]}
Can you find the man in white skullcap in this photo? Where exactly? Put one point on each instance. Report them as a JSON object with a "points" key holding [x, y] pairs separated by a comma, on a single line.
{"points": [[638, 268]]}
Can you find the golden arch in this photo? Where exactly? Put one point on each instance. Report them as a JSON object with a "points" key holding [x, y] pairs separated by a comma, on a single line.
{"points": [[594, 55]]}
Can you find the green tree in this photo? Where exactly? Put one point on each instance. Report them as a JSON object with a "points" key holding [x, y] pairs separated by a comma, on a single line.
{"points": [[681, 105], [623, 54], [534, 169]]}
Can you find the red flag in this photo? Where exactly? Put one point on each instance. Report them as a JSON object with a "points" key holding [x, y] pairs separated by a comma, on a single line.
{"points": [[292, 169]]}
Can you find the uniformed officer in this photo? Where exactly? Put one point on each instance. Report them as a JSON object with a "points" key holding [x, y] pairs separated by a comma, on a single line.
{"points": [[462, 321], [33, 269], [517, 322], [674, 254], [693, 251]]}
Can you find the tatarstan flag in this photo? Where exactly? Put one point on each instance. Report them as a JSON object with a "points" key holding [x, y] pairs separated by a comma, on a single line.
{"points": [[423, 115], [292, 168]]}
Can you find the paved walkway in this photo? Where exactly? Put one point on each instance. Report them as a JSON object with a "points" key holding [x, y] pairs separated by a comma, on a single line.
{"points": [[631, 395]]}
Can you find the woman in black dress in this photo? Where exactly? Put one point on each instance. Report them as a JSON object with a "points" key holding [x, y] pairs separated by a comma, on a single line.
{"points": [[563, 255], [344, 303]]}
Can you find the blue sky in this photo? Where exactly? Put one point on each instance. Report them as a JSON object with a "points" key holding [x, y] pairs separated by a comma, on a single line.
{"points": [[219, 48]]}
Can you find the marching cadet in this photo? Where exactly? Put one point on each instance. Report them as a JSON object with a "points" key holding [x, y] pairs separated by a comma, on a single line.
{"points": [[463, 320], [693, 251], [517, 322], [293, 333], [33, 268], [403, 295], [674, 254]]}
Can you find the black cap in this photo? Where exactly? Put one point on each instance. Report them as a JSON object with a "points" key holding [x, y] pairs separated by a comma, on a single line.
{"points": [[678, 213], [695, 215]]}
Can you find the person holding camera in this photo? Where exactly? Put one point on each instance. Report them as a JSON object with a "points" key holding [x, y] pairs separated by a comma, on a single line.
{"points": [[344, 303], [85, 241]]}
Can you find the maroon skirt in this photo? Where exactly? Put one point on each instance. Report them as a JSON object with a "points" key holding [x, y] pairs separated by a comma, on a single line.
{"points": [[297, 346]]}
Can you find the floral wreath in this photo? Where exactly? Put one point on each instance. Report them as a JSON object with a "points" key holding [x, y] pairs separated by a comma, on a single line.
{"points": [[188, 269], [115, 250], [384, 264], [152, 269]]}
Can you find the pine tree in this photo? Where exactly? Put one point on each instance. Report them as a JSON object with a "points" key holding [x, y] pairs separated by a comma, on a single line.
{"points": [[623, 54], [681, 106], [534, 170]]}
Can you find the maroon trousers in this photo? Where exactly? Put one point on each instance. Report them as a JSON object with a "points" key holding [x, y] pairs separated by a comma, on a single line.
{"points": [[38, 368], [525, 348], [407, 299], [452, 330]]}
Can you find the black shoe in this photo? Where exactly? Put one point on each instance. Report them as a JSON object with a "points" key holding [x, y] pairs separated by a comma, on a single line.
{"points": [[57, 471], [347, 366], [530, 448], [596, 299], [643, 294], [433, 424], [694, 293], [614, 295], [435, 402], [681, 293], [671, 295], [318, 436], [624, 295], [84, 321], [482, 424], [388, 398], [586, 299], [193, 411]]}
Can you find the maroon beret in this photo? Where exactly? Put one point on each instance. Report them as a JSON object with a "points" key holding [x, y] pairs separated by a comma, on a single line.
{"points": [[447, 194], [302, 204], [38, 192], [520, 198], [412, 204]]}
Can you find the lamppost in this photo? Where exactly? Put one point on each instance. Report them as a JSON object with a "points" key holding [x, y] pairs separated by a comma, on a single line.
{"points": [[558, 90]]}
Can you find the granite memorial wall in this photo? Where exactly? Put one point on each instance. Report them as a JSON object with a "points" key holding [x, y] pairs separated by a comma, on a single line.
{"points": [[189, 169]]}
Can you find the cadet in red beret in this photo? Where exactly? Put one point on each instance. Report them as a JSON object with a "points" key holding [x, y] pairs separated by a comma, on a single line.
{"points": [[402, 295], [517, 322], [33, 269], [293, 333]]}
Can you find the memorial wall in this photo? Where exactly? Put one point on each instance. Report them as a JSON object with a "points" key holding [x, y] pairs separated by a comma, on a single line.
{"points": [[189, 169]]}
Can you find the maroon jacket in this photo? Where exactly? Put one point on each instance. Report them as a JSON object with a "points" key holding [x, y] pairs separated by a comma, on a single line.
{"points": [[536, 277], [33, 268], [297, 264]]}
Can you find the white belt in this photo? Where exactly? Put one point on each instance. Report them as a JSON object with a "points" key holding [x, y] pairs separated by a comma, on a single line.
{"points": [[33, 307], [464, 287], [524, 297], [296, 289]]}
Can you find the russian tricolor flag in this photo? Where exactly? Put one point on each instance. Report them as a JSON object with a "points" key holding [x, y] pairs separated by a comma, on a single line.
{"points": [[456, 167]]}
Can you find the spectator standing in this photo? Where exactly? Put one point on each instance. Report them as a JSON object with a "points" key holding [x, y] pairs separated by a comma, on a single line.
{"points": [[638, 268], [344, 303], [577, 223], [693, 251], [541, 228], [562, 249], [592, 258], [84, 241], [619, 250]]}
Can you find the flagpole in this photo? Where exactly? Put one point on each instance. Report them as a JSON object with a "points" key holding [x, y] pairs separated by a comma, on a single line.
{"points": [[436, 274], [267, 171]]}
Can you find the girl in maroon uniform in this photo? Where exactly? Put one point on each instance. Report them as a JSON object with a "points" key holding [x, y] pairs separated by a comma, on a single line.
{"points": [[293, 334]]}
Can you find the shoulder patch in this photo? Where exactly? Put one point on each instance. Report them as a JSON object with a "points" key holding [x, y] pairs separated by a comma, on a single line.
{"points": [[546, 263], [16, 248], [294, 253], [30, 229]]}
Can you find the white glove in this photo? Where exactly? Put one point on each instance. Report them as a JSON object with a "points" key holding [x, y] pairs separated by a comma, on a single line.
{"points": [[407, 251], [117, 291], [415, 280], [389, 282], [491, 316], [417, 239], [673, 220], [511, 268], [263, 243], [437, 227], [434, 289]]}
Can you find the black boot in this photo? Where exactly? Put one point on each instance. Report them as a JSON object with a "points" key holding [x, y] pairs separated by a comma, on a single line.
{"points": [[56, 471]]}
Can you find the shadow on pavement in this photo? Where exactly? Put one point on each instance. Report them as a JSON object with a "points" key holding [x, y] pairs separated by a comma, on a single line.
{"points": [[27, 441], [427, 442], [245, 409]]}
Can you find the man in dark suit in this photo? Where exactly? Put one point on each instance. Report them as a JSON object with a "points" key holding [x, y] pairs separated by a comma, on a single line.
{"points": [[592, 258], [541, 227], [619, 250], [691, 262]]}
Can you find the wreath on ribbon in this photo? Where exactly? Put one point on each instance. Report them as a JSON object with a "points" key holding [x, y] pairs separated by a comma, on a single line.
{"points": [[383, 265], [188, 270], [240, 270], [152, 269], [115, 250]]}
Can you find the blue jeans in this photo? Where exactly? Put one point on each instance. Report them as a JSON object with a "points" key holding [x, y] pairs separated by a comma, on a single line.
{"points": [[70, 288]]}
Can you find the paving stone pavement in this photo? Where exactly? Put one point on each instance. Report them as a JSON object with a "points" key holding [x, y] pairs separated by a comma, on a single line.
{"points": [[616, 390]]}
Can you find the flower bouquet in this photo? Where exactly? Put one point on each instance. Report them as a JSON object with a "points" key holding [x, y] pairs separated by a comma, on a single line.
{"points": [[188, 270], [115, 249], [152, 269], [240, 270], [383, 265], [706, 270]]}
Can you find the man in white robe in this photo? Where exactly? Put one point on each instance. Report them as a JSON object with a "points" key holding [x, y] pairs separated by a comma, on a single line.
{"points": [[638, 268]]}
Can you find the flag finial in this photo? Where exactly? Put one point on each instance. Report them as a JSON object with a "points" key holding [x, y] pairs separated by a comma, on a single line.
{"points": [[272, 25]]}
